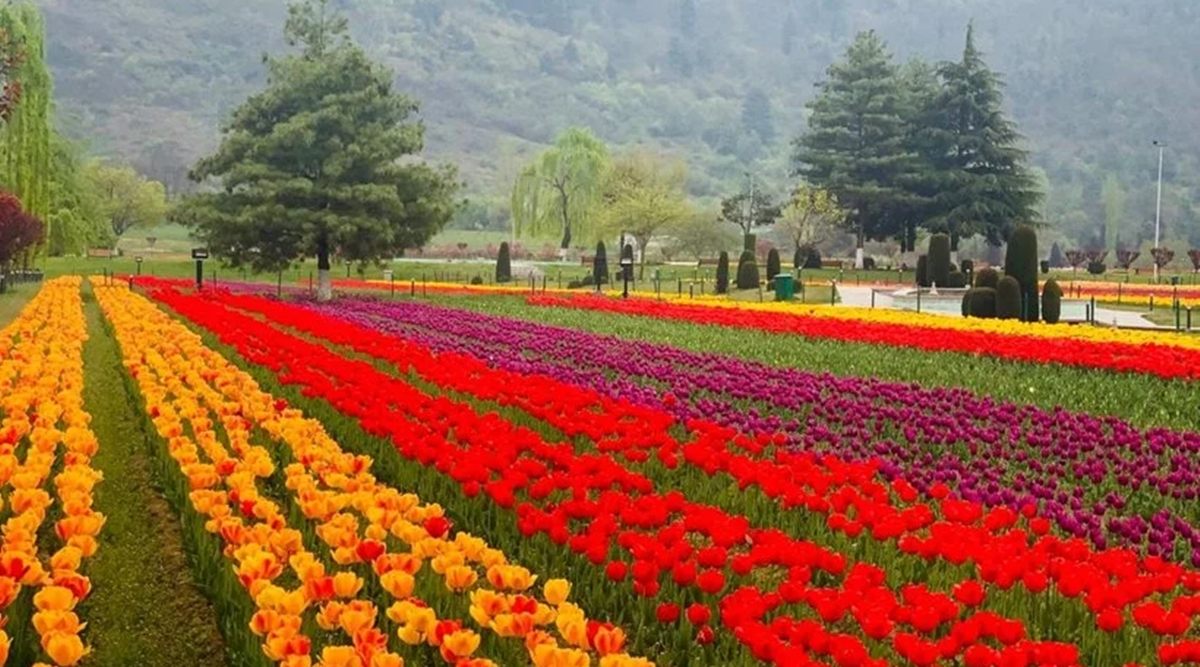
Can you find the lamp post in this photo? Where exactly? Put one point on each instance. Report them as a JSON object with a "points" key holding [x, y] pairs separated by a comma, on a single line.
{"points": [[1158, 203], [626, 271]]}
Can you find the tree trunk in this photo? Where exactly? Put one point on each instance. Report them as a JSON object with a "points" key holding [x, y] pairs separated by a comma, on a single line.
{"points": [[324, 280], [859, 252]]}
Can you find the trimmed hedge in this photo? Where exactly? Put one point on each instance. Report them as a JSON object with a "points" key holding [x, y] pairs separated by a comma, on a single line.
{"points": [[988, 277], [504, 264], [938, 264], [956, 280], [723, 273], [773, 268], [600, 263], [923, 271], [1008, 299], [747, 273], [1051, 302], [982, 302], [1021, 263]]}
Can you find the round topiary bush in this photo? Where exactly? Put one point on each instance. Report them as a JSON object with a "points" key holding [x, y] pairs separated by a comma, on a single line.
{"points": [[1051, 302], [1097, 268], [939, 260], [1008, 299], [982, 302], [988, 277], [588, 281], [747, 273], [574, 284], [477, 280], [814, 259], [967, 266], [956, 280], [723, 273], [868, 263]]}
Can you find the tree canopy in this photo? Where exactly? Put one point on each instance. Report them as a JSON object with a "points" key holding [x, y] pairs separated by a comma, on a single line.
{"points": [[643, 195], [320, 162], [557, 191], [124, 198]]}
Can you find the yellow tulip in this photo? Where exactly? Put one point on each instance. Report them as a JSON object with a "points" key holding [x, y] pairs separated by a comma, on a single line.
{"points": [[339, 656], [64, 649], [54, 598], [397, 583], [459, 644], [347, 584], [556, 591], [460, 577], [386, 660]]}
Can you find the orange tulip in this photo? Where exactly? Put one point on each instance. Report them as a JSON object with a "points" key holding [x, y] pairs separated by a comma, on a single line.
{"points": [[459, 644], [460, 577], [64, 649], [346, 584], [556, 591], [54, 598]]}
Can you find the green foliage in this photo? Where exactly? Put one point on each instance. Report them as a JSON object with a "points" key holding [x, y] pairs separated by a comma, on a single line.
{"points": [[977, 172], [1008, 299], [774, 267], [988, 277], [699, 235], [956, 280], [504, 264], [855, 146], [1051, 301], [600, 263], [641, 196], [749, 210], [747, 271], [756, 115], [1097, 268], [314, 164], [124, 198], [982, 302], [77, 221], [923, 271], [27, 136], [967, 266], [1056, 257], [723, 273], [558, 190], [477, 280], [939, 260], [812, 216], [1021, 263]]}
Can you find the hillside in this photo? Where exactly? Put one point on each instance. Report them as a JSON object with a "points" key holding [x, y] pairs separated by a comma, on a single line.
{"points": [[1090, 83]]}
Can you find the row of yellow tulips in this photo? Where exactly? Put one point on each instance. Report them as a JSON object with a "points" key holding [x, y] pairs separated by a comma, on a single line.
{"points": [[376, 539], [41, 382]]}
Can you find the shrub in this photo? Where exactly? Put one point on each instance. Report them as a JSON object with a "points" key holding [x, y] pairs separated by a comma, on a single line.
{"points": [[814, 259], [966, 303], [1021, 263], [1097, 268], [988, 277], [723, 273], [588, 281], [747, 273], [956, 280], [1045, 265], [1051, 302], [600, 263], [967, 266], [504, 264], [938, 264], [1008, 299], [773, 268], [923, 271], [983, 302], [574, 284], [477, 280], [1056, 256], [868, 263]]}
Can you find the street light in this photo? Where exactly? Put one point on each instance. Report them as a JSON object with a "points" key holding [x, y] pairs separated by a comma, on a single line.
{"points": [[1158, 204]]}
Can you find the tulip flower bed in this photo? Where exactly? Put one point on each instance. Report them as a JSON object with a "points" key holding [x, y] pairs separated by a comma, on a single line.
{"points": [[1162, 354], [319, 546], [1096, 478], [47, 534], [929, 579]]}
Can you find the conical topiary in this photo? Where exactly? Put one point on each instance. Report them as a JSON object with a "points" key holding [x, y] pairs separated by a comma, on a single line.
{"points": [[939, 260], [723, 273], [504, 264], [773, 267], [1021, 263], [600, 264], [1051, 302]]}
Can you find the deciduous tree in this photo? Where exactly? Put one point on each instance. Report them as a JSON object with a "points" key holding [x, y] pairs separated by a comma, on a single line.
{"points": [[558, 190], [124, 198], [641, 196]]}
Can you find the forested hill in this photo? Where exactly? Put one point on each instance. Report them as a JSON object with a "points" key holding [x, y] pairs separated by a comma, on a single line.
{"points": [[1090, 82]]}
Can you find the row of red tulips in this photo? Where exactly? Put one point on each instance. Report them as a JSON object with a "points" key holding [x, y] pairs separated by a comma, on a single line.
{"points": [[1006, 548], [587, 501], [1163, 360]]}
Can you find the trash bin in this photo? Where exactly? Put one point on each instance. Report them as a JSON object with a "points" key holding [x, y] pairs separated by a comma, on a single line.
{"points": [[785, 287]]}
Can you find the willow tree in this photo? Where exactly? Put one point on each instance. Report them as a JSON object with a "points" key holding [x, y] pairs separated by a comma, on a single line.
{"points": [[558, 190], [25, 141]]}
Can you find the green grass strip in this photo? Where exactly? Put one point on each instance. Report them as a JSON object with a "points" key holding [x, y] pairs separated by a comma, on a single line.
{"points": [[144, 608]]}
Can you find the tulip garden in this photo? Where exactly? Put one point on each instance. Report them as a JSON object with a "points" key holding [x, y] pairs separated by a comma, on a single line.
{"points": [[499, 479]]}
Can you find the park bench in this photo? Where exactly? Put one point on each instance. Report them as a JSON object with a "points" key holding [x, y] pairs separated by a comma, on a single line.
{"points": [[831, 264], [99, 252], [586, 260], [708, 262]]}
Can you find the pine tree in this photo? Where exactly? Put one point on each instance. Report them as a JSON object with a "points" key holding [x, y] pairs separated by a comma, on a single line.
{"points": [[856, 146], [756, 115], [985, 185]]}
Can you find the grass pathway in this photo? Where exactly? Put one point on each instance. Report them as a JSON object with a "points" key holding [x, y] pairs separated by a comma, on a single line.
{"points": [[144, 608]]}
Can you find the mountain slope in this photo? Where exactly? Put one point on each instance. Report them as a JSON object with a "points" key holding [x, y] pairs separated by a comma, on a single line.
{"points": [[1090, 83]]}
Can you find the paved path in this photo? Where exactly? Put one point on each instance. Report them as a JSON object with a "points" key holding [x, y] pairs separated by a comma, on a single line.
{"points": [[859, 296]]}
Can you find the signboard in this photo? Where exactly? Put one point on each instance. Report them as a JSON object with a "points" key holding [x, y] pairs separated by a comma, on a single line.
{"points": [[199, 253]]}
